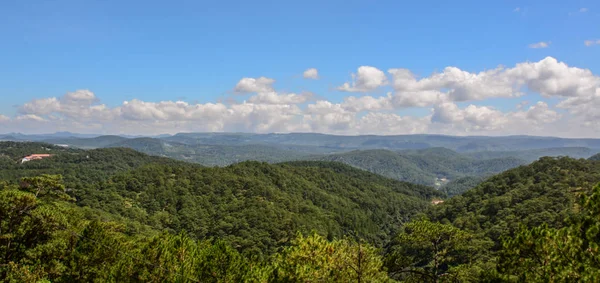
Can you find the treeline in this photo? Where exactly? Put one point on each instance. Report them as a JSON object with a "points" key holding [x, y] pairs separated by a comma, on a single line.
{"points": [[45, 237], [120, 216]]}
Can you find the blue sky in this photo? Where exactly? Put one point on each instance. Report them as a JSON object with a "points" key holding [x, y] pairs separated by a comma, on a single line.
{"points": [[197, 51]]}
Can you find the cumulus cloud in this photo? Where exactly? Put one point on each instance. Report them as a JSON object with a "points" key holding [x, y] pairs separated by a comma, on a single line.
{"points": [[311, 73], [367, 103], [392, 124], [487, 119], [275, 98], [250, 85], [324, 116], [591, 42], [459, 85], [30, 117], [170, 111], [547, 77], [459, 103], [366, 79], [541, 44]]}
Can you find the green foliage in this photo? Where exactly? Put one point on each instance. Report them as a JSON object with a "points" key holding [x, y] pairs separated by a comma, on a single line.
{"points": [[542, 192], [121, 216], [568, 254], [314, 259], [422, 166], [432, 252], [531, 155], [257, 206], [459, 186], [48, 240], [78, 167]]}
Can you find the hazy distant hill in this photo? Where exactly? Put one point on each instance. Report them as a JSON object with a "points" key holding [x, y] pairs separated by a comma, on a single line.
{"points": [[535, 154], [87, 143], [460, 144], [433, 160], [595, 157], [211, 155], [427, 166]]}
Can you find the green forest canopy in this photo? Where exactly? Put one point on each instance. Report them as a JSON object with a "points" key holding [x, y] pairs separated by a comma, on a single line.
{"points": [[118, 215]]}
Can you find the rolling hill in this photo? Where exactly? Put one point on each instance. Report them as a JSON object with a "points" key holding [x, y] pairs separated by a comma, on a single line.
{"points": [[541, 192], [425, 166], [256, 206]]}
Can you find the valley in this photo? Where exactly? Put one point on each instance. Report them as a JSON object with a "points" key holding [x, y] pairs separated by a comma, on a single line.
{"points": [[272, 211]]}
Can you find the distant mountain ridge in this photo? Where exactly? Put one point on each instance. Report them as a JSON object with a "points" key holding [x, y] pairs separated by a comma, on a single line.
{"points": [[396, 142], [432, 160]]}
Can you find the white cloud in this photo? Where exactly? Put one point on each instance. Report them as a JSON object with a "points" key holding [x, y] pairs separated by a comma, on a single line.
{"points": [[30, 117], [583, 10], [547, 77], [459, 85], [249, 85], [367, 103], [170, 111], [541, 44], [591, 42], [275, 98], [540, 113], [366, 79], [487, 119], [574, 93], [517, 9], [392, 124], [311, 73], [324, 116]]}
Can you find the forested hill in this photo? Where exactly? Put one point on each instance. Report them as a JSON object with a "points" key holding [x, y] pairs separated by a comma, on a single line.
{"points": [[253, 205], [595, 157], [76, 165], [540, 193], [258, 206], [424, 166]]}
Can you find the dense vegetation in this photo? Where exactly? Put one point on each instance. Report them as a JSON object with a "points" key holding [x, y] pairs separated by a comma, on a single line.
{"points": [[542, 192], [336, 143], [531, 155], [44, 237], [255, 206], [423, 166], [418, 159], [523, 225], [458, 186], [122, 216]]}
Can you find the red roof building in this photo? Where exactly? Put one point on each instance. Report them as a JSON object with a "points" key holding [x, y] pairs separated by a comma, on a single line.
{"points": [[35, 157]]}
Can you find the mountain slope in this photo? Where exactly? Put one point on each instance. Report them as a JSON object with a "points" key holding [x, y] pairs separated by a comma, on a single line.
{"points": [[535, 154], [77, 166], [595, 157], [87, 143], [256, 206], [259, 206], [422, 166], [211, 155], [542, 192]]}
